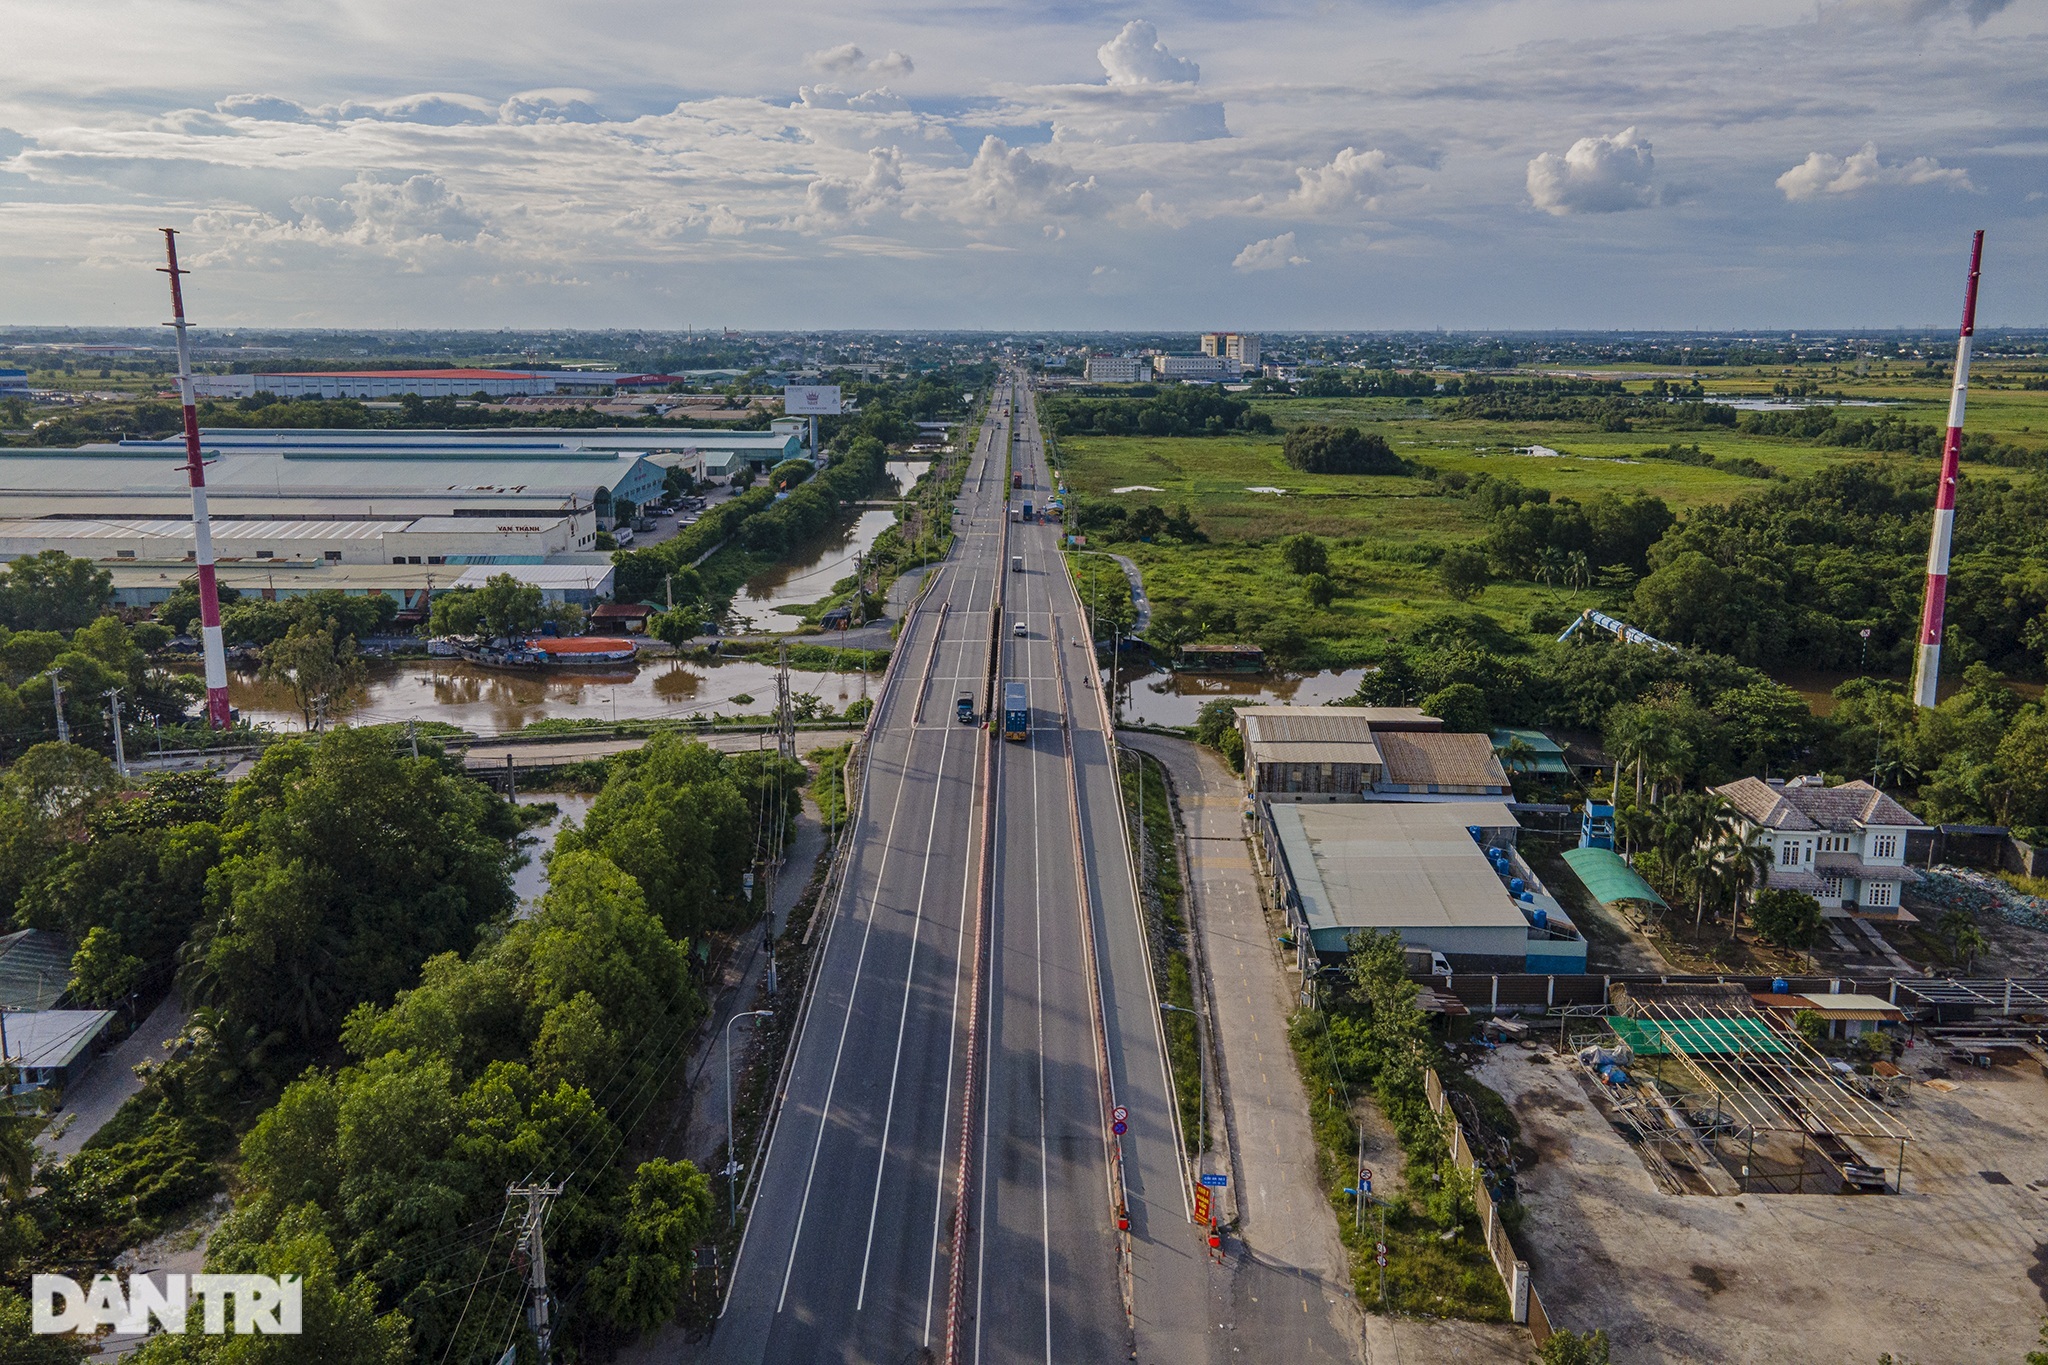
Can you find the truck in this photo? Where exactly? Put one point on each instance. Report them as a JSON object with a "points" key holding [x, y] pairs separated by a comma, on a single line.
{"points": [[1016, 514], [1016, 563], [1027, 511], [1016, 712], [1016, 481]]}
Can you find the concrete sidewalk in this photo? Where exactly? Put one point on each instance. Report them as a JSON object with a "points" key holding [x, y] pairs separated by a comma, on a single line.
{"points": [[1294, 1279]]}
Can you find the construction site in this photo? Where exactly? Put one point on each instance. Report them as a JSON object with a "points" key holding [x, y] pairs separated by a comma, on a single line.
{"points": [[1707, 1183]]}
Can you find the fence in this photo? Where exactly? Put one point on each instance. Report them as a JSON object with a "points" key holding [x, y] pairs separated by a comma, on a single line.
{"points": [[1523, 1301]]}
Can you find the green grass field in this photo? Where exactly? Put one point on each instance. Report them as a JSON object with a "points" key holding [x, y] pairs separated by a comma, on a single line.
{"points": [[1385, 533]]}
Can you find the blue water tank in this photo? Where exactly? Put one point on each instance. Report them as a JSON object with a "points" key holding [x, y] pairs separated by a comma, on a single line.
{"points": [[1474, 831], [1526, 897], [1540, 918], [1780, 986], [1517, 885]]}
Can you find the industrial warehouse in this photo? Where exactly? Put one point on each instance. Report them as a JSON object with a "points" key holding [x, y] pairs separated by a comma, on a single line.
{"points": [[301, 511]]}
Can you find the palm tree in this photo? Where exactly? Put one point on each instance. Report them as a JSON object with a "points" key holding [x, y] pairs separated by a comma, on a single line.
{"points": [[1517, 754], [1578, 571]]}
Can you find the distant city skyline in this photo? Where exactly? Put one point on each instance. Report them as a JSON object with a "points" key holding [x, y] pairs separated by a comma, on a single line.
{"points": [[1535, 165]]}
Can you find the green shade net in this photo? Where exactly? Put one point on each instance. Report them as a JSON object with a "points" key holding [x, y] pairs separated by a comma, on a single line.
{"points": [[1695, 1037], [1608, 877]]}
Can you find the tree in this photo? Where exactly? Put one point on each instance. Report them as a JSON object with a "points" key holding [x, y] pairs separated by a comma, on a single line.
{"points": [[1305, 554], [1790, 919], [1461, 706], [52, 591], [320, 670], [668, 1210], [1339, 450], [102, 973], [1316, 587], [502, 607], [1960, 937], [1463, 573]]}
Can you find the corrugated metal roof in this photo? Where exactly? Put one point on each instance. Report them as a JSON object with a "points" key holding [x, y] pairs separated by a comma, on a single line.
{"points": [[1398, 864], [52, 1038], [35, 969], [1418, 759]]}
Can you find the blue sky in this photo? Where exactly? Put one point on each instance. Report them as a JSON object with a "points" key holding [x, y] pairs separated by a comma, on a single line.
{"points": [[1457, 163]]}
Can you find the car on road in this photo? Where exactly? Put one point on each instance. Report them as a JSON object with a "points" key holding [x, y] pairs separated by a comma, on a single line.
{"points": [[964, 709], [1019, 629]]}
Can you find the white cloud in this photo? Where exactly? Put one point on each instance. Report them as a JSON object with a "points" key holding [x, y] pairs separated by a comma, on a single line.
{"points": [[1008, 184], [264, 109], [1269, 253], [1824, 173], [831, 201], [1350, 179], [1598, 175], [550, 106], [371, 212], [883, 100], [848, 59], [1137, 57]]}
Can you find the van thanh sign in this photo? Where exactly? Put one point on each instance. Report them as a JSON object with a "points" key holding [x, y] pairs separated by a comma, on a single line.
{"points": [[58, 1303]]}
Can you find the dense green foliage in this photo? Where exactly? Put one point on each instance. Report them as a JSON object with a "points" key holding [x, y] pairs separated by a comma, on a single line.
{"points": [[1861, 429], [687, 823], [1182, 410], [1340, 450], [93, 660], [1794, 574], [52, 591]]}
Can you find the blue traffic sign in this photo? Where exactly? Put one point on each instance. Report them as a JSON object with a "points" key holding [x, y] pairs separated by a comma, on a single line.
{"points": [[1215, 1181], [1119, 1127]]}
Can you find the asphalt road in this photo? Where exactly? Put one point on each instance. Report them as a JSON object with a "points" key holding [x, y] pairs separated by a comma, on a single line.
{"points": [[848, 1252]]}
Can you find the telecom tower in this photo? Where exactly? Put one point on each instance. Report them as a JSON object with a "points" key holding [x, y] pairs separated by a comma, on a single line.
{"points": [[1927, 667], [202, 529]]}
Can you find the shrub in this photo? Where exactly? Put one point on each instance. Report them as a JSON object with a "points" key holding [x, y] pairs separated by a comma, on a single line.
{"points": [[1339, 450], [1790, 919]]}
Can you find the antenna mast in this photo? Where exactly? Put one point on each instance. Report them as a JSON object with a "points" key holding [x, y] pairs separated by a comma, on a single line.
{"points": [[202, 528], [1927, 667]]}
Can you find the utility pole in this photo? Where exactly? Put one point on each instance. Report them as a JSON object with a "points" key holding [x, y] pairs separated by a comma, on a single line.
{"points": [[113, 696], [534, 1250], [57, 695], [511, 782], [785, 713]]}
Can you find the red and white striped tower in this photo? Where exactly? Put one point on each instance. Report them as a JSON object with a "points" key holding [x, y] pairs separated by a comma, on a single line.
{"points": [[1927, 668], [202, 528]]}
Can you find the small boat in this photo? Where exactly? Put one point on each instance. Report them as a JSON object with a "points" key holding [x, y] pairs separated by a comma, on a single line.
{"points": [[580, 650], [551, 651]]}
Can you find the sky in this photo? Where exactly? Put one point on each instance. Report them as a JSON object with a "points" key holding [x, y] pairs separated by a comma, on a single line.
{"points": [[1306, 164]]}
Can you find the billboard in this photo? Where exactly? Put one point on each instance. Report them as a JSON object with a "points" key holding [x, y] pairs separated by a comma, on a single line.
{"points": [[811, 400]]}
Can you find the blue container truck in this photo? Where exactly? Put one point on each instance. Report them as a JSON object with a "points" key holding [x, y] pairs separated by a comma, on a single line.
{"points": [[1016, 711]]}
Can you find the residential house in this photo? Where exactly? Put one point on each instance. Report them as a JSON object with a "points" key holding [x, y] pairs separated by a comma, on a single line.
{"points": [[1843, 845]]}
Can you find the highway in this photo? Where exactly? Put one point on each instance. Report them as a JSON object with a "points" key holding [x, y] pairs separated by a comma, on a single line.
{"points": [[955, 1040]]}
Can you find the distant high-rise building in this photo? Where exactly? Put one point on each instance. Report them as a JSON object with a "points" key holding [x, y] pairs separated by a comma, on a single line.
{"points": [[1243, 347]]}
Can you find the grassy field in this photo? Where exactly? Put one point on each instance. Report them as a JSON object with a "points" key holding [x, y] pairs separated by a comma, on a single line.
{"points": [[1386, 533]]}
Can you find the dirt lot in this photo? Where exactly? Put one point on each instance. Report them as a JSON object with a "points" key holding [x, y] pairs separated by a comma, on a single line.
{"points": [[1955, 1269]]}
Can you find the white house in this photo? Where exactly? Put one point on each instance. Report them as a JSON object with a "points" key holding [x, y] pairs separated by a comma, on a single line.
{"points": [[1845, 846]]}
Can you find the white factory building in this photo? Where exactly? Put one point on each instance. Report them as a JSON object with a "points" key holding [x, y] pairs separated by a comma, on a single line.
{"points": [[415, 540], [689, 449], [449, 383], [1117, 369]]}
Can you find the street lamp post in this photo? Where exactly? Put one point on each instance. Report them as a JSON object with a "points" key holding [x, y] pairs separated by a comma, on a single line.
{"points": [[732, 1159]]}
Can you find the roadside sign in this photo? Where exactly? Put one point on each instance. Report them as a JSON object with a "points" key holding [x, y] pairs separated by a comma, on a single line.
{"points": [[1215, 1180], [1119, 1127], [1202, 1204], [1379, 1248], [1365, 1187], [1119, 1114], [1365, 1174], [1381, 1259]]}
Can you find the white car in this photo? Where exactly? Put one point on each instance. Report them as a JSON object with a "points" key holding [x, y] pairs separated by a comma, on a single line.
{"points": [[1019, 629]]}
